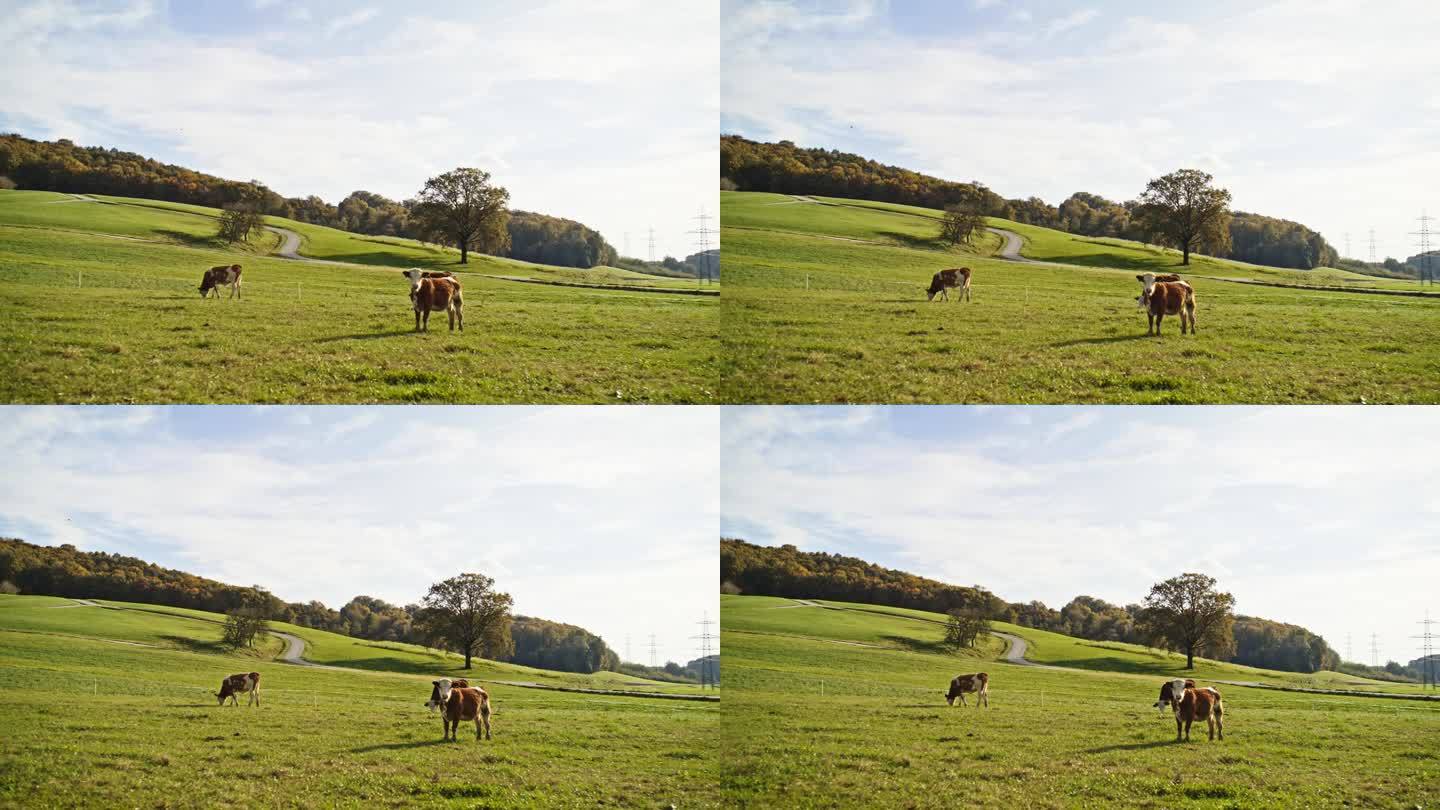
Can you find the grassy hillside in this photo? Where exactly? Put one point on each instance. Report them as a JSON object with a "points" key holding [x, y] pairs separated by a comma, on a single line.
{"points": [[812, 723], [813, 318], [150, 733], [130, 325]]}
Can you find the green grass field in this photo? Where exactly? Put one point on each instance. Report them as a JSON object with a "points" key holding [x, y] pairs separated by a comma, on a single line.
{"points": [[95, 723], [99, 304], [809, 722], [811, 316]]}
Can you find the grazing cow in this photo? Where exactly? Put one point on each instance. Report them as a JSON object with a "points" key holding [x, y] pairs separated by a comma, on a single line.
{"points": [[240, 684], [946, 280], [458, 701], [215, 277], [1167, 298], [1141, 301], [978, 683], [1200, 704], [431, 293]]}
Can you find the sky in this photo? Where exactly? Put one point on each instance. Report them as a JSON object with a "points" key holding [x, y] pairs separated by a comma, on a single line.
{"points": [[1325, 517], [1309, 110], [603, 113], [596, 516]]}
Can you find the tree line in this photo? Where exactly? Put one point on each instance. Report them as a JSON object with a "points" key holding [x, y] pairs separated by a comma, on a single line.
{"points": [[63, 166], [66, 571], [788, 169], [786, 571]]}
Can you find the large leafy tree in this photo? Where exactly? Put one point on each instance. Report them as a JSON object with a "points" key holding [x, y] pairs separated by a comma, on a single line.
{"points": [[1188, 210], [1192, 616], [469, 615], [463, 208]]}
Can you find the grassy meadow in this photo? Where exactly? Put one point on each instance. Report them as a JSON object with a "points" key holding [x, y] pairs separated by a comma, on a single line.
{"points": [[99, 304], [146, 730], [813, 719], [825, 303]]}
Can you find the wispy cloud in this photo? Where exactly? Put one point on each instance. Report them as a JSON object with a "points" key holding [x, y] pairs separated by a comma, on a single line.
{"points": [[1051, 503], [593, 527], [351, 20]]}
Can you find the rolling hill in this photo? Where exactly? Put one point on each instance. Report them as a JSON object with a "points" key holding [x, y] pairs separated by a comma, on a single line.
{"points": [[844, 706], [131, 328], [352, 731], [825, 303]]}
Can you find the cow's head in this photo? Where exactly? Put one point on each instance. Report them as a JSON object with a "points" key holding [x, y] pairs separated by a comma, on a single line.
{"points": [[439, 694], [206, 283], [1171, 692], [225, 691], [955, 690]]}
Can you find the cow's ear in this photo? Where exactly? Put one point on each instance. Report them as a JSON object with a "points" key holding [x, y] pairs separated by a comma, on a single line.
{"points": [[1139, 277]]}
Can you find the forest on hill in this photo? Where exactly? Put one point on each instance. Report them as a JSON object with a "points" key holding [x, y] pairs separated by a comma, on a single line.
{"points": [[63, 166], [66, 571], [785, 168], [747, 568]]}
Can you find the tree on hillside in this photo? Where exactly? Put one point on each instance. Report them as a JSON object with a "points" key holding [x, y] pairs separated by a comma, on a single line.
{"points": [[1188, 613], [242, 625], [238, 221], [463, 208], [1188, 210], [469, 615], [964, 627], [960, 223]]}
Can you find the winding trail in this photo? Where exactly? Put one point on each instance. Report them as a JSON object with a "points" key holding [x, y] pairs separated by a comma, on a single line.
{"points": [[1013, 244]]}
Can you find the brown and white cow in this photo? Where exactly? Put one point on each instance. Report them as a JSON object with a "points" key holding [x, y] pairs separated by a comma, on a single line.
{"points": [[1200, 704], [1171, 692], [458, 701], [216, 277], [979, 683], [946, 280], [1167, 298], [433, 293], [239, 685], [1141, 301]]}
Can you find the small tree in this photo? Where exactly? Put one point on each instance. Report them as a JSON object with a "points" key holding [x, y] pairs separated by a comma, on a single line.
{"points": [[964, 627], [470, 615], [242, 625], [463, 208], [1188, 613], [1187, 210], [238, 221], [961, 223]]}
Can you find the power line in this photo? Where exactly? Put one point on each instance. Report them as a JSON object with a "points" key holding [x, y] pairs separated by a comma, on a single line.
{"points": [[1374, 650], [1372, 245], [707, 676], [652, 651], [1423, 240], [652, 245], [702, 241], [1428, 640]]}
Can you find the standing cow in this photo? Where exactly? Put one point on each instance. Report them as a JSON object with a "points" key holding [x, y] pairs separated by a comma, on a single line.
{"points": [[946, 280], [1200, 704], [238, 685], [226, 275], [1167, 298], [979, 683], [430, 292], [458, 701]]}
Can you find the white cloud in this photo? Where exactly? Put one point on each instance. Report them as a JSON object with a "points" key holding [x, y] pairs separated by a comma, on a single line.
{"points": [[565, 102], [1272, 501], [1070, 21], [351, 20], [602, 517]]}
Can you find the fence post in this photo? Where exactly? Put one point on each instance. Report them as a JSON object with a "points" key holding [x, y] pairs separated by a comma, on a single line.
{"points": [[79, 278]]}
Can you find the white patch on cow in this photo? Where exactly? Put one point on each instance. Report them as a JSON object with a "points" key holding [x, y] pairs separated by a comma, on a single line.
{"points": [[443, 684], [1147, 282]]}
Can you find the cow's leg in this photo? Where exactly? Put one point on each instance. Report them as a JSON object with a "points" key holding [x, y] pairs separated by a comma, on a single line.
{"points": [[1192, 319], [478, 726], [417, 319], [968, 299], [985, 696], [1178, 723], [1210, 722], [426, 328], [485, 713], [460, 314]]}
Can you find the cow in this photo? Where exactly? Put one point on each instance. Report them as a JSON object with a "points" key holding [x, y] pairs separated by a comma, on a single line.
{"points": [[978, 683], [1167, 298], [946, 280], [1141, 301], [1171, 692], [435, 294], [1200, 704], [225, 274], [457, 700], [240, 684]]}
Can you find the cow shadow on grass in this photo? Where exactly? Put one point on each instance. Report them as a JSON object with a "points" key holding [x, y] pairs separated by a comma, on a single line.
{"points": [[367, 335], [1139, 746], [1096, 341], [366, 749]]}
